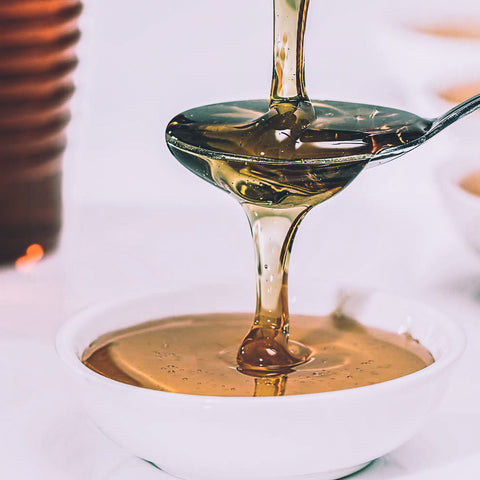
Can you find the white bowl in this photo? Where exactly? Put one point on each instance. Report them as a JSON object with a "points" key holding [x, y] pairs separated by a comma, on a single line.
{"points": [[429, 63], [314, 436], [464, 207]]}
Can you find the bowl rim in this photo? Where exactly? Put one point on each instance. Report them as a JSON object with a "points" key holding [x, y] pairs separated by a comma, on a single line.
{"points": [[404, 24], [65, 347]]}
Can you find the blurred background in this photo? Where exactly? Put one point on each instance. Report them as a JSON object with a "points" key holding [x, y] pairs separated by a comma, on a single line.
{"points": [[135, 220], [139, 67]]}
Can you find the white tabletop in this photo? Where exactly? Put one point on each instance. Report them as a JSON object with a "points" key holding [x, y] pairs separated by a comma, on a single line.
{"points": [[134, 220]]}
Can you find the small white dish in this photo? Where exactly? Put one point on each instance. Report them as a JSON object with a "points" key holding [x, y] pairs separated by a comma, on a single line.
{"points": [[431, 62], [315, 436], [463, 206]]}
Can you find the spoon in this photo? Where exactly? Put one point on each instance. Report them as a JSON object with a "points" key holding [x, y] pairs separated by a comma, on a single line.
{"points": [[437, 125]]}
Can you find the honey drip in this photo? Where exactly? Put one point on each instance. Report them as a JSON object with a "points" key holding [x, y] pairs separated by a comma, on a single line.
{"points": [[279, 158]]}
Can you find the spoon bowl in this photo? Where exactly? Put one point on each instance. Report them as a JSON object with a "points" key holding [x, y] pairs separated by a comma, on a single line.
{"points": [[341, 132]]}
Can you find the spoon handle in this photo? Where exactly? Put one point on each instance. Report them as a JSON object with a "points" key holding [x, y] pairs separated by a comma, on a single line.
{"points": [[438, 124], [454, 114]]}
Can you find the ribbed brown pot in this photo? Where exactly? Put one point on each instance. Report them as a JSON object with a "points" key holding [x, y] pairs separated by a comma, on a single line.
{"points": [[37, 58]]}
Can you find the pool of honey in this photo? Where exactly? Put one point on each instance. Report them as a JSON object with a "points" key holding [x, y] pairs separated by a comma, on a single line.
{"points": [[195, 354]]}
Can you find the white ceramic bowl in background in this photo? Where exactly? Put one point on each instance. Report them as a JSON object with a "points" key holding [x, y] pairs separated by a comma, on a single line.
{"points": [[314, 436], [422, 64], [464, 207]]}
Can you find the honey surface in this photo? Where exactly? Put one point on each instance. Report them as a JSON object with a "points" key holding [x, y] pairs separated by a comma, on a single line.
{"points": [[196, 354]]}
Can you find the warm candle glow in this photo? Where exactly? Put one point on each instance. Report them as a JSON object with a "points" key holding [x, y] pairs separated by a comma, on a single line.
{"points": [[33, 255]]}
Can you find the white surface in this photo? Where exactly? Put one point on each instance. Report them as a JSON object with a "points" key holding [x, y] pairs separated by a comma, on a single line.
{"points": [[388, 230]]}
